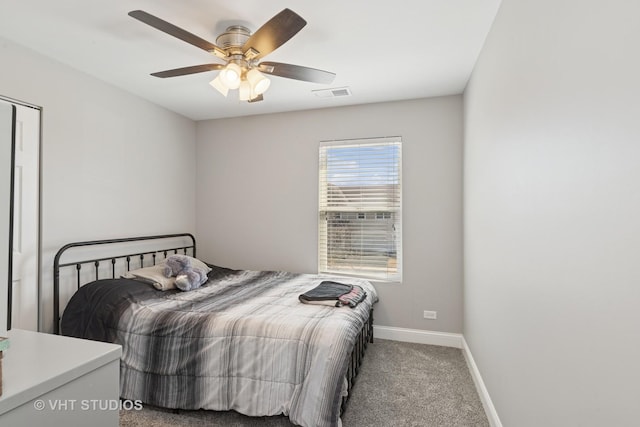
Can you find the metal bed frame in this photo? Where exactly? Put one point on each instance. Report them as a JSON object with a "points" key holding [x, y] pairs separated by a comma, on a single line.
{"points": [[363, 339], [112, 259]]}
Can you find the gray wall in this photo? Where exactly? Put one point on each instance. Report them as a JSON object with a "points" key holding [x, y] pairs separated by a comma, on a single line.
{"points": [[257, 186], [552, 213], [113, 165]]}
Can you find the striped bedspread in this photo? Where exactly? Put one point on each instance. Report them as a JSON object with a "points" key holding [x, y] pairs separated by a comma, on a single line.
{"points": [[241, 342]]}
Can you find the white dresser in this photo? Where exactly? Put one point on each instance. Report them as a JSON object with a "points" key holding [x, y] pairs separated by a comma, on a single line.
{"points": [[59, 381]]}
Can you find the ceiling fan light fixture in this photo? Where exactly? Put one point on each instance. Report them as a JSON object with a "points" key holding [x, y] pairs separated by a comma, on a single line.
{"points": [[219, 86], [231, 75], [259, 83], [244, 91]]}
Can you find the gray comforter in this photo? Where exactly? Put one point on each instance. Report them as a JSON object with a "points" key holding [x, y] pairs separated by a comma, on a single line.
{"points": [[241, 342]]}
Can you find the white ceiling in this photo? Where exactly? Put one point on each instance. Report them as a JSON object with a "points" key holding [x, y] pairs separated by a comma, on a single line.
{"points": [[381, 50]]}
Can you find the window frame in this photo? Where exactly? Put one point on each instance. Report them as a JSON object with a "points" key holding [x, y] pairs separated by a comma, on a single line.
{"points": [[375, 213]]}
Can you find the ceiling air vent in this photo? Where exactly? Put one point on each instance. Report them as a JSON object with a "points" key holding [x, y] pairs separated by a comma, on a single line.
{"points": [[332, 93]]}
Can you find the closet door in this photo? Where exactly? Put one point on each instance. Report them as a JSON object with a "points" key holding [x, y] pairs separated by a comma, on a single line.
{"points": [[7, 137], [26, 201]]}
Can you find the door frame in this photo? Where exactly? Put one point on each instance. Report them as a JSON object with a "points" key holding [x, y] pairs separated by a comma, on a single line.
{"points": [[39, 221]]}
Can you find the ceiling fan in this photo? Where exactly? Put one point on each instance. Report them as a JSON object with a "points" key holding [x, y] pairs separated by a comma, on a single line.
{"points": [[242, 52]]}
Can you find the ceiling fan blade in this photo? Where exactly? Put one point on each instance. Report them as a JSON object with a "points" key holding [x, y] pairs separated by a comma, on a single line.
{"points": [[274, 33], [296, 72], [188, 70], [177, 32]]}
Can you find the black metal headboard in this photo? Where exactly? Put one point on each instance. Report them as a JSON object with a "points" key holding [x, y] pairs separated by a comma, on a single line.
{"points": [[95, 262]]}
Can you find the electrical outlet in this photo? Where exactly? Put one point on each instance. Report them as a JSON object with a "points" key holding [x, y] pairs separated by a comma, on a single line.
{"points": [[430, 314]]}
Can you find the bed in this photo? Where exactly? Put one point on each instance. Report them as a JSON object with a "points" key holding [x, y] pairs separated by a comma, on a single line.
{"points": [[243, 341]]}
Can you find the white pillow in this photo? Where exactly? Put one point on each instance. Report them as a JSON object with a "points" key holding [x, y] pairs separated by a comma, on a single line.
{"points": [[153, 275]]}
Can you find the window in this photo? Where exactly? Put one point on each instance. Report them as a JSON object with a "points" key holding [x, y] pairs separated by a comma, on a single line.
{"points": [[359, 221]]}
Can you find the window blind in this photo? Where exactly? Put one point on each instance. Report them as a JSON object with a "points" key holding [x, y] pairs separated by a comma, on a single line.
{"points": [[360, 217]]}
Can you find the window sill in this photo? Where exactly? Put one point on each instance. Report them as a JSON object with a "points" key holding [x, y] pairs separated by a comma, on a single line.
{"points": [[373, 281]]}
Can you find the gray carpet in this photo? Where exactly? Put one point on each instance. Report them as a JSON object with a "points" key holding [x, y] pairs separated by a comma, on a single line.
{"points": [[400, 384]]}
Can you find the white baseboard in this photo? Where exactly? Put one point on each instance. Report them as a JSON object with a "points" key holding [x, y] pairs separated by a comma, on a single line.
{"points": [[489, 409], [418, 336]]}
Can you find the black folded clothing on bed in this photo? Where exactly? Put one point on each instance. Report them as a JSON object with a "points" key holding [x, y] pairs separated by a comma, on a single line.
{"points": [[326, 293]]}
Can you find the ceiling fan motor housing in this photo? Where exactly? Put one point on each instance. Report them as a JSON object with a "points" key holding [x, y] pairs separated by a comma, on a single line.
{"points": [[234, 36]]}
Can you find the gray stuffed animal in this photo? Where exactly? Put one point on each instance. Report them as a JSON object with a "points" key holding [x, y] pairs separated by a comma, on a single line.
{"points": [[187, 277]]}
